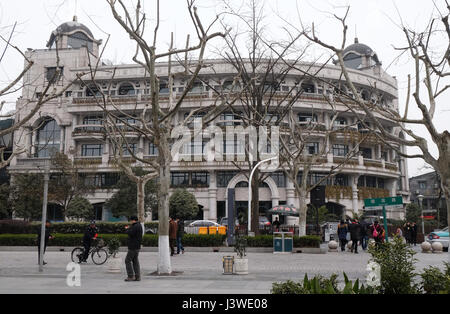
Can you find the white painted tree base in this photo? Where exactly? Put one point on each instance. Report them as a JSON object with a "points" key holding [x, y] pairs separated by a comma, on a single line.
{"points": [[164, 265]]}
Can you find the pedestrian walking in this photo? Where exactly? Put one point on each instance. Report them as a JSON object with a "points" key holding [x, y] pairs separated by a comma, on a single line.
{"points": [[414, 233], [377, 232], [342, 234], [407, 232], [355, 235], [47, 237], [90, 234], [180, 233], [399, 232], [134, 246], [364, 235], [172, 235]]}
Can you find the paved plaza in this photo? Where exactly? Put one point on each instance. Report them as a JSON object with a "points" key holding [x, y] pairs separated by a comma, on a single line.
{"points": [[200, 272]]}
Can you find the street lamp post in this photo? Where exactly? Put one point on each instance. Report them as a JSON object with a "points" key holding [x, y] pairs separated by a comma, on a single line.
{"points": [[44, 216], [420, 197], [250, 191]]}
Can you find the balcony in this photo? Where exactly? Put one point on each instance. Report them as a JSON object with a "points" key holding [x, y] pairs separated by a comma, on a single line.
{"points": [[88, 131], [88, 162]]}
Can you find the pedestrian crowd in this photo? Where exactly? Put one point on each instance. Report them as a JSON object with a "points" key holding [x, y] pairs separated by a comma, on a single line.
{"points": [[358, 233]]}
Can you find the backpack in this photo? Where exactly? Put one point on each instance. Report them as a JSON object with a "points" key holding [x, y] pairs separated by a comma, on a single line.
{"points": [[375, 232]]}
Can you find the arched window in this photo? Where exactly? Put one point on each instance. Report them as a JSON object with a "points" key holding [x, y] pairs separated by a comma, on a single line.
{"points": [[126, 89], [47, 139]]}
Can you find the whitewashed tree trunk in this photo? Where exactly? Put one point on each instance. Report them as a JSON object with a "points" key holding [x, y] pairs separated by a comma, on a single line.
{"points": [[164, 264], [302, 212]]}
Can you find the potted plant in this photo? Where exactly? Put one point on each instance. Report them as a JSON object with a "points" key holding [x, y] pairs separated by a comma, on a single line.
{"points": [[241, 263], [115, 261]]}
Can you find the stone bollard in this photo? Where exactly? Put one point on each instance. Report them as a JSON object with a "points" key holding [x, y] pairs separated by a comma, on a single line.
{"points": [[437, 247], [332, 246], [426, 247]]}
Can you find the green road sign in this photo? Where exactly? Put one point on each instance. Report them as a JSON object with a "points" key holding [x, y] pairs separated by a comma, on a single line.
{"points": [[378, 203]]}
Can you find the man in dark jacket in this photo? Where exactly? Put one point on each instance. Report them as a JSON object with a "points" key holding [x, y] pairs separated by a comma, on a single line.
{"points": [[364, 236], [90, 235], [342, 234], [180, 233], [173, 227], [414, 233], [47, 237], [134, 245], [355, 235]]}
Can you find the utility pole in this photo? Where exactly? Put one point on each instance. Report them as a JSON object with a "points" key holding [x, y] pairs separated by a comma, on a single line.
{"points": [[44, 215]]}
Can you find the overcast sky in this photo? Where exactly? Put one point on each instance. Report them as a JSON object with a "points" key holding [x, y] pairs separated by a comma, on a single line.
{"points": [[375, 22]]}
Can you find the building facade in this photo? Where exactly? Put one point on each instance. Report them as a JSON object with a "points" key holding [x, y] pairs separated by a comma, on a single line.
{"points": [[72, 124], [428, 185]]}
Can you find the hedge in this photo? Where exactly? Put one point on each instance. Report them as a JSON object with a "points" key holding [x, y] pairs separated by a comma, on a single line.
{"points": [[22, 227], [151, 240]]}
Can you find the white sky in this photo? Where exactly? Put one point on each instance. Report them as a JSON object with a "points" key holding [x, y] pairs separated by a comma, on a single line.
{"points": [[375, 21]]}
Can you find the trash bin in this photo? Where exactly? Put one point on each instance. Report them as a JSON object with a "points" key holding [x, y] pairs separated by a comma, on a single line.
{"points": [[283, 242], [228, 262]]}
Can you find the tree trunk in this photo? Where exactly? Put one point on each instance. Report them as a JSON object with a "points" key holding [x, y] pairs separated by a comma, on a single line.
{"points": [[302, 212], [255, 203], [164, 264], [141, 203]]}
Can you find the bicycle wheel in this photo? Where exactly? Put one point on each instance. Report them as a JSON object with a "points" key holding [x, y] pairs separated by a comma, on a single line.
{"points": [[99, 256], [77, 255]]}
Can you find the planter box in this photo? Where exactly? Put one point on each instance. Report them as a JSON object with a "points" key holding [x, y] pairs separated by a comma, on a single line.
{"points": [[241, 266]]}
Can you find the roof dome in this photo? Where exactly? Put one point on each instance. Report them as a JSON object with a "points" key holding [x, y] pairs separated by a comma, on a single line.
{"points": [[355, 54], [359, 48], [70, 28]]}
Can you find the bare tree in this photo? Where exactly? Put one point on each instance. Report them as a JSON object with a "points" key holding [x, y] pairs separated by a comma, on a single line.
{"points": [[157, 120], [430, 70]]}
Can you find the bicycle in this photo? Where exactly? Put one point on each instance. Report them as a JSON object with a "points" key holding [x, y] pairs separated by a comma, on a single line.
{"points": [[98, 254]]}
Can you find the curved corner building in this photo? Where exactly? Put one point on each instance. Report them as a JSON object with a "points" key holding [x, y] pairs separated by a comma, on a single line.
{"points": [[73, 124]]}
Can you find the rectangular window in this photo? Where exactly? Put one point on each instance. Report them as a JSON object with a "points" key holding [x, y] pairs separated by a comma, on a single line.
{"points": [[340, 150], [153, 150], [200, 179], [93, 120], [341, 179], [371, 182], [312, 148], [422, 185], [279, 178], [131, 147], [52, 76], [179, 179], [89, 150], [307, 117], [366, 152]]}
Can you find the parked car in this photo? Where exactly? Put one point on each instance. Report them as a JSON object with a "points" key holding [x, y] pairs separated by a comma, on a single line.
{"points": [[440, 236], [150, 231], [224, 221], [195, 225]]}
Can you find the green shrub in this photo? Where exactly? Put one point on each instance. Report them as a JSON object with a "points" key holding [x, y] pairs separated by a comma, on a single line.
{"points": [[436, 282], [396, 262], [148, 240], [21, 227], [321, 285]]}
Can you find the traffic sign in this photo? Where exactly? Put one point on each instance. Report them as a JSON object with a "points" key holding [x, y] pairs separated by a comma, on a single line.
{"points": [[392, 201]]}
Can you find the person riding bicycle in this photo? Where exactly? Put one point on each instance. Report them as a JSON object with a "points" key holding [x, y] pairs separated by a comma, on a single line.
{"points": [[90, 234]]}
